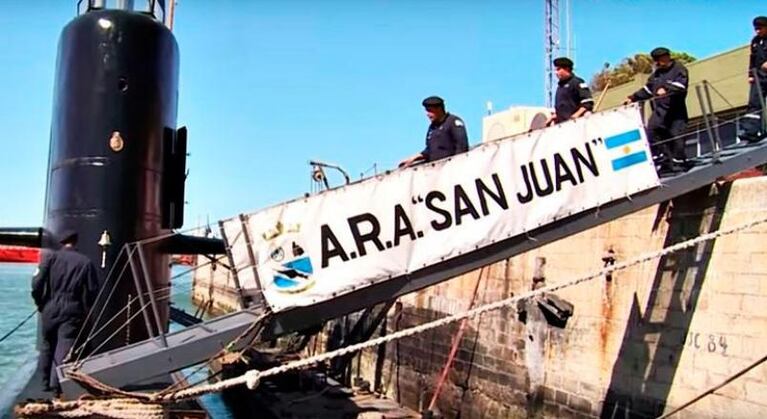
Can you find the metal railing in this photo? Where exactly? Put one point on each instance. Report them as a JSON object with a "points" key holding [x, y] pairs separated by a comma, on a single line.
{"points": [[755, 75], [710, 119], [154, 8]]}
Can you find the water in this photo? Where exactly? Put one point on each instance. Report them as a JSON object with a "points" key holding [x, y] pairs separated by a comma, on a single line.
{"points": [[17, 352], [16, 304]]}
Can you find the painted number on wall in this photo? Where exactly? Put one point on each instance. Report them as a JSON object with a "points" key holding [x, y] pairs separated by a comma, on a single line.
{"points": [[707, 342]]}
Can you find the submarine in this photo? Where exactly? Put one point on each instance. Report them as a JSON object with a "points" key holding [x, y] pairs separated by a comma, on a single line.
{"points": [[117, 164]]}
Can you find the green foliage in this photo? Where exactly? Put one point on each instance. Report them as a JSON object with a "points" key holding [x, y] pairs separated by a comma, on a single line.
{"points": [[630, 67]]}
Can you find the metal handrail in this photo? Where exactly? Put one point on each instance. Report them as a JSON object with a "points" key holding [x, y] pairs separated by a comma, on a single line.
{"points": [[755, 73], [153, 7], [709, 118]]}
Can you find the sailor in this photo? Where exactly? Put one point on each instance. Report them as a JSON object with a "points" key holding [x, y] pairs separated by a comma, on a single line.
{"points": [[752, 121], [667, 87], [573, 98], [445, 137], [64, 289]]}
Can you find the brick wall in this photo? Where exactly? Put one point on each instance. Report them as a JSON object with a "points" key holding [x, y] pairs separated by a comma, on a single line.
{"points": [[648, 340]]}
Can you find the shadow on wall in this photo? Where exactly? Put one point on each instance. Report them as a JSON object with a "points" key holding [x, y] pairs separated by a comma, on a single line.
{"points": [[644, 371], [417, 361]]}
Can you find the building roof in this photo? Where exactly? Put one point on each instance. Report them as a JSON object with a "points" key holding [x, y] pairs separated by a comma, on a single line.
{"points": [[726, 73]]}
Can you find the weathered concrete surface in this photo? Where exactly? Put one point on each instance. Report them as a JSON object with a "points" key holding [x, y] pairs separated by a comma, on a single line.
{"points": [[650, 339]]}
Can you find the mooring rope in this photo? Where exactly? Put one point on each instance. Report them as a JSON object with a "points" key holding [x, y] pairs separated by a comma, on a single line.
{"points": [[114, 408], [253, 377], [18, 326]]}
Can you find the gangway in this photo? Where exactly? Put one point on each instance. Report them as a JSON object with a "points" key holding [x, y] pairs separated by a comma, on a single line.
{"points": [[137, 363]]}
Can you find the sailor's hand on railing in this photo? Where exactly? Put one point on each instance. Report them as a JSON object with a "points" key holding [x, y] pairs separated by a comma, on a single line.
{"points": [[410, 160], [628, 101]]}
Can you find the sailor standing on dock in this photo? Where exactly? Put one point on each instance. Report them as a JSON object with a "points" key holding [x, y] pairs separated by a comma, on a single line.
{"points": [[573, 98], [752, 121], [667, 87], [64, 289], [446, 135]]}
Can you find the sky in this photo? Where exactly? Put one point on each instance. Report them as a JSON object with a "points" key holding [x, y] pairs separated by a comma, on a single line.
{"points": [[266, 86]]}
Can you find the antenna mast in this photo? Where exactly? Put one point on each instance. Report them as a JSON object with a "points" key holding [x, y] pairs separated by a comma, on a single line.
{"points": [[551, 46]]}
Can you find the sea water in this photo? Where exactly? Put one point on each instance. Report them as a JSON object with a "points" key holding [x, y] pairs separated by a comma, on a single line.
{"points": [[17, 352]]}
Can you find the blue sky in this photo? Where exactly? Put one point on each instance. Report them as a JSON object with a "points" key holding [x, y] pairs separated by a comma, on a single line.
{"points": [[268, 85]]}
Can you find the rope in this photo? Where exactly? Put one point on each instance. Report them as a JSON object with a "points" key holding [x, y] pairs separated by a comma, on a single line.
{"points": [[252, 378], [456, 343], [18, 326], [115, 408], [716, 387], [73, 350], [254, 329], [170, 288]]}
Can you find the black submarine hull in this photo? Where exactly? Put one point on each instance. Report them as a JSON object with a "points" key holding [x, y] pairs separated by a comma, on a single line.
{"points": [[114, 109], [116, 168]]}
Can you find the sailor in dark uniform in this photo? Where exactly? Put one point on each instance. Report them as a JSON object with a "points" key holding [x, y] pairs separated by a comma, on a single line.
{"points": [[667, 86], [64, 289], [446, 135], [752, 122], [573, 97]]}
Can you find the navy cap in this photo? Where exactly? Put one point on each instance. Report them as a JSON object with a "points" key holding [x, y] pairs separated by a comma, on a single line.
{"points": [[563, 62], [760, 22], [659, 52], [433, 101], [68, 237]]}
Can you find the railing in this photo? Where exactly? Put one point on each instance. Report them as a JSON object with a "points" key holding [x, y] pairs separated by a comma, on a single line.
{"points": [[154, 8], [709, 118]]}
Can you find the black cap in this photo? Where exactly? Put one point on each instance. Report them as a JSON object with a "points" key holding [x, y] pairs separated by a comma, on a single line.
{"points": [[760, 22], [68, 237], [563, 62], [659, 52], [433, 101]]}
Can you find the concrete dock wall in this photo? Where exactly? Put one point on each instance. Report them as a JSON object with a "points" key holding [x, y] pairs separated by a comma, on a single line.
{"points": [[649, 339], [641, 343]]}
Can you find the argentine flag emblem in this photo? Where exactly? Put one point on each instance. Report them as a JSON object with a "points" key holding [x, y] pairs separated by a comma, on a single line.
{"points": [[627, 149]]}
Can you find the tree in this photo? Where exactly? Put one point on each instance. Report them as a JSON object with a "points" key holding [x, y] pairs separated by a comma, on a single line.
{"points": [[629, 67]]}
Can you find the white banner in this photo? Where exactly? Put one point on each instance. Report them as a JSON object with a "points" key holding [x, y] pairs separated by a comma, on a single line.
{"points": [[314, 249]]}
